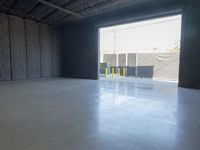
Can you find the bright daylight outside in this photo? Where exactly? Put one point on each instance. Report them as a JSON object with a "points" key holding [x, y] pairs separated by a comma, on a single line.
{"points": [[147, 49]]}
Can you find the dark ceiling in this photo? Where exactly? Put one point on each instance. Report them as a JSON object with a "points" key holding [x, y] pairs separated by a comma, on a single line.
{"points": [[32, 9]]}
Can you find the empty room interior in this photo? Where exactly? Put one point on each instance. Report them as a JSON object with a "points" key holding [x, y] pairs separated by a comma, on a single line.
{"points": [[67, 83]]}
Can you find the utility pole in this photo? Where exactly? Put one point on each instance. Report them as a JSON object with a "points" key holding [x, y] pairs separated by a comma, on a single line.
{"points": [[136, 65], [115, 46]]}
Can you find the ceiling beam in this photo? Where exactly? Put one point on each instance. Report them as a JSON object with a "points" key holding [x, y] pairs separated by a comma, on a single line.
{"points": [[55, 10], [60, 8]]}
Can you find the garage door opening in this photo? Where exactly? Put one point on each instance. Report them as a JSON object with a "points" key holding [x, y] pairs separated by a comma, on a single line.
{"points": [[144, 50]]}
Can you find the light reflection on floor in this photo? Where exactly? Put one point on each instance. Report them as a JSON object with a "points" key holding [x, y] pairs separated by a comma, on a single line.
{"points": [[95, 115]]}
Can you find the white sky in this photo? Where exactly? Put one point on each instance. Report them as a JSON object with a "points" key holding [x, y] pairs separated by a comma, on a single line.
{"points": [[141, 37]]}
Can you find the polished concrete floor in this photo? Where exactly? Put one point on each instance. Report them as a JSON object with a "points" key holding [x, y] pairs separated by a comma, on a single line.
{"points": [[73, 114]]}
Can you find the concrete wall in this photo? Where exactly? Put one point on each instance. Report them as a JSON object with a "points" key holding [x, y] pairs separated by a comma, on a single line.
{"points": [[121, 59], [132, 60], [190, 48], [150, 65], [111, 59], [5, 62], [27, 49]]}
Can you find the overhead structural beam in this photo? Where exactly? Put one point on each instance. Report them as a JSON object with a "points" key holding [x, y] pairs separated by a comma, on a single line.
{"points": [[60, 8]]}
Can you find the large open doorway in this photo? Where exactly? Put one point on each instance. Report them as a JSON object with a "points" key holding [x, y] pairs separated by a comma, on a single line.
{"points": [[148, 49]]}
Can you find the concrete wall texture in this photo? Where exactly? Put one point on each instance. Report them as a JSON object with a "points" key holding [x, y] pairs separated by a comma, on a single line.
{"points": [[190, 48], [151, 65], [110, 59], [131, 60], [80, 51], [27, 50], [122, 60]]}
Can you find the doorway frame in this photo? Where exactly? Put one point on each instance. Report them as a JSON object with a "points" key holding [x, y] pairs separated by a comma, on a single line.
{"points": [[135, 20]]}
